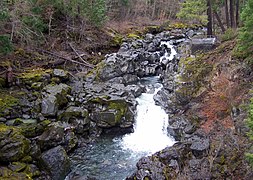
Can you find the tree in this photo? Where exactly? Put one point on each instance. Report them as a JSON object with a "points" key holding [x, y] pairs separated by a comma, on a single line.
{"points": [[245, 45], [210, 19], [194, 10], [232, 14]]}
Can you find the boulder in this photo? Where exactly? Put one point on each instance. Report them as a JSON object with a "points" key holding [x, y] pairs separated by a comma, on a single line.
{"points": [[77, 117], [58, 134], [13, 145], [60, 73], [56, 162], [200, 147], [111, 113], [54, 98]]}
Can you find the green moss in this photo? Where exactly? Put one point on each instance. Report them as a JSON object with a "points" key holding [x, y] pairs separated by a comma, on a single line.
{"points": [[133, 36], [120, 107], [7, 102], [178, 26], [35, 75], [96, 71], [152, 29], [194, 72], [117, 40]]}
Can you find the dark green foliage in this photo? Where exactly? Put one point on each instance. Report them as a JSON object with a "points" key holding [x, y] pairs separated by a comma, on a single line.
{"points": [[35, 23], [5, 45], [193, 10], [94, 11], [245, 45]]}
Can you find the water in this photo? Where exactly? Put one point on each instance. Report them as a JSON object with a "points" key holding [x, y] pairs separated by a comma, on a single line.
{"points": [[150, 131], [116, 158]]}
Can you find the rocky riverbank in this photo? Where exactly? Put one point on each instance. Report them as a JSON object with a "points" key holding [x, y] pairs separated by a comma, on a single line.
{"points": [[49, 113]]}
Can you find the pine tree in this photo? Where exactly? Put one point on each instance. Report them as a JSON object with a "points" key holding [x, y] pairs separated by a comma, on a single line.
{"points": [[194, 10], [245, 46]]}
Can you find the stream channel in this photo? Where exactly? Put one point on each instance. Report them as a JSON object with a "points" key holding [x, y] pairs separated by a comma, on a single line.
{"points": [[116, 157]]}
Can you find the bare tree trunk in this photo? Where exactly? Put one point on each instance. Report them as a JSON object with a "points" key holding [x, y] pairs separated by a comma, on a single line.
{"points": [[226, 13], [219, 21], [209, 18], [237, 13], [232, 18]]}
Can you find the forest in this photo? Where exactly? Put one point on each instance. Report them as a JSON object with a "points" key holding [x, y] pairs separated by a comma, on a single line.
{"points": [[77, 75]]}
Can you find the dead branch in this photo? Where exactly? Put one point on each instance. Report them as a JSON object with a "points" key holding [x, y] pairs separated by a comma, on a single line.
{"points": [[67, 59], [79, 55]]}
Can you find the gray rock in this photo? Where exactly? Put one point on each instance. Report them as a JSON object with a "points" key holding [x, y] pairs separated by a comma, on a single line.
{"points": [[130, 79], [135, 90], [60, 73], [200, 147], [56, 162], [49, 105], [58, 134], [54, 97]]}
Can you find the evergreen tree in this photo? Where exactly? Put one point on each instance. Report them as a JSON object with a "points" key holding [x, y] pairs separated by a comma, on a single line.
{"points": [[245, 46], [194, 10]]}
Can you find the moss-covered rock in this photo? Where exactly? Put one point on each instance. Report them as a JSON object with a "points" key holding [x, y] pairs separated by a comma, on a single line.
{"points": [[58, 133], [35, 75], [18, 170], [114, 113], [13, 145], [7, 102], [194, 73], [31, 130]]}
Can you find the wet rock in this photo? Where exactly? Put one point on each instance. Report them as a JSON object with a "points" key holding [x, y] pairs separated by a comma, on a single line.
{"points": [[13, 145], [56, 162]]}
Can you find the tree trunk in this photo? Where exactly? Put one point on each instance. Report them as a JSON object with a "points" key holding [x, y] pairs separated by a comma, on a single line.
{"points": [[232, 18], [209, 18], [237, 13], [226, 13], [219, 21]]}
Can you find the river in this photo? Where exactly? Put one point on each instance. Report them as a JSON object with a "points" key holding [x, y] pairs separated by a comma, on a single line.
{"points": [[116, 157]]}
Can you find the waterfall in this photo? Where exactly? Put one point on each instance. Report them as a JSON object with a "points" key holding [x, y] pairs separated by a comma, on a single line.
{"points": [[150, 130]]}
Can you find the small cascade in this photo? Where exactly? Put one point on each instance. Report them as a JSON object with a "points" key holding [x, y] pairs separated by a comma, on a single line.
{"points": [[168, 56], [150, 131]]}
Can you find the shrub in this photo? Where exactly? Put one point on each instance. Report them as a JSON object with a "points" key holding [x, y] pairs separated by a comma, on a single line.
{"points": [[5, 45], [229, 34]]}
